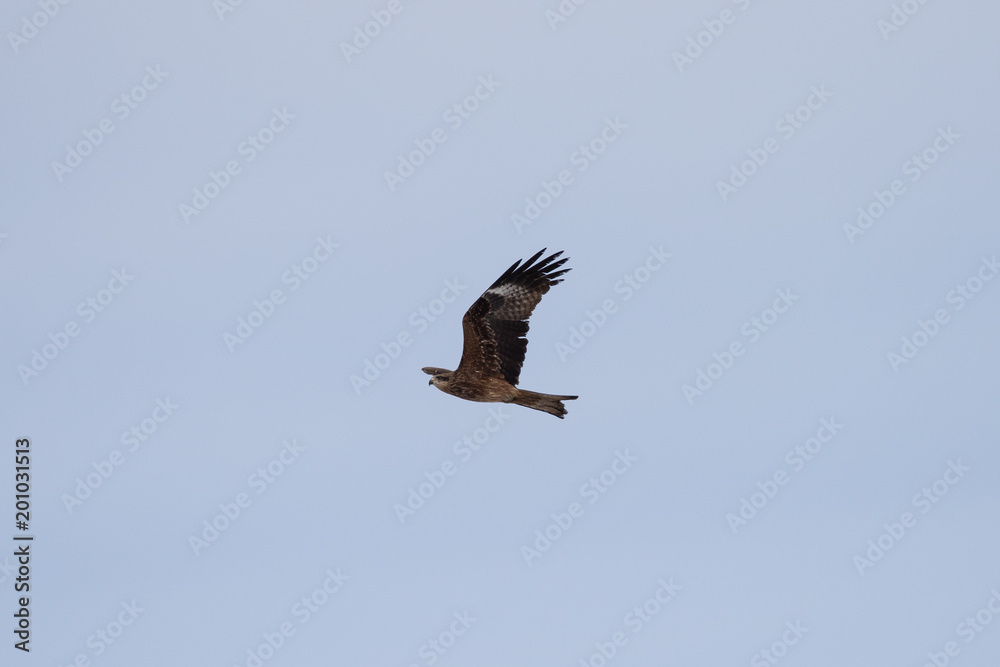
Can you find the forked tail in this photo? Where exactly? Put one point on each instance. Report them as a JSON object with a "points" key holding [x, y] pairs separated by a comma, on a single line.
{"points": [[544, 402]]}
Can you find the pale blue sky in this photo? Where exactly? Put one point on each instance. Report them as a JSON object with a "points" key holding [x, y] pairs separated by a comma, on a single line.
{"points": [[201, 246]]}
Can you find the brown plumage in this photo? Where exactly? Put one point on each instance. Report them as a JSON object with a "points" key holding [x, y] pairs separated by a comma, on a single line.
{"points": [[494, 331]]}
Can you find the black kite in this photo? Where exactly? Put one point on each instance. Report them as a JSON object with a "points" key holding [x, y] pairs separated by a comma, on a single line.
{"points": [[494, 331]]}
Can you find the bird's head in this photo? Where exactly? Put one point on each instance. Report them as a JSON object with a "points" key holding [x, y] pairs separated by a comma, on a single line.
{"points": [[439, 376]]}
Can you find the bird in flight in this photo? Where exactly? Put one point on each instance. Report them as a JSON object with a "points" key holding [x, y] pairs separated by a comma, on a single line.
{"points": [[494, 331]]}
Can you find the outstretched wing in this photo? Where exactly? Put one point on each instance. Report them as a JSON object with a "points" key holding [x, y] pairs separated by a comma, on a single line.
{"points": [[495, 326]]}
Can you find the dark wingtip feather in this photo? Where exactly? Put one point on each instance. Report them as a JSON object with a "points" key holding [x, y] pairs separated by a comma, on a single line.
{"points": [[530, 273]]}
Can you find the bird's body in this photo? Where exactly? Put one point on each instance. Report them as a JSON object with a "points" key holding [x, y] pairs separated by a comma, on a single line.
{"points": [[494, 339]]}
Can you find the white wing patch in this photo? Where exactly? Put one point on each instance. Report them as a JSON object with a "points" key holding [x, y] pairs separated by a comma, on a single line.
{"points": [[504, 290]]}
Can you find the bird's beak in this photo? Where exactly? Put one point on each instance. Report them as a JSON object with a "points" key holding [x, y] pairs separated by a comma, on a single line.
{"points": [[430, 382]]}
